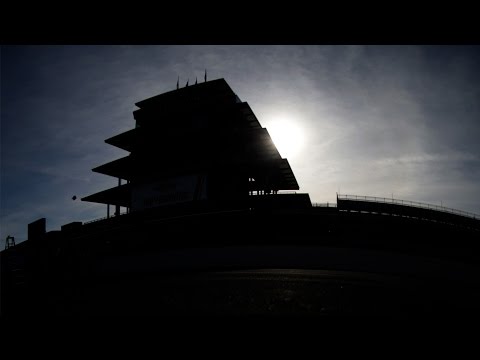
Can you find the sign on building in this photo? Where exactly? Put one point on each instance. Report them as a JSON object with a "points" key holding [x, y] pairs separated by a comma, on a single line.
{"points": [[169, 191]]}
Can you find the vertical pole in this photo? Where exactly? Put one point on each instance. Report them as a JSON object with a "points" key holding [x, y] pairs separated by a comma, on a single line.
{"points": [[117, 207], [128, 208], [108, 211]]}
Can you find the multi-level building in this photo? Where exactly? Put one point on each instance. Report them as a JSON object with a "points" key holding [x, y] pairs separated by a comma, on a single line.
{"points": [[197, 144]]}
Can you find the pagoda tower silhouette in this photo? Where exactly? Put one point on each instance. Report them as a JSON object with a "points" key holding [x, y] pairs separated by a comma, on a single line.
{"points": [[194, 145]]}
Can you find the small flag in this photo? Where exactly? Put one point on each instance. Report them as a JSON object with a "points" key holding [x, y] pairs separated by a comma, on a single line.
{"points": [[187, 83], [178, 79], [195, 80], [205, 75]]}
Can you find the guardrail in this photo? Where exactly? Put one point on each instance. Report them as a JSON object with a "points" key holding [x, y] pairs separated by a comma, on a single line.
{"points": [[408, 203]]}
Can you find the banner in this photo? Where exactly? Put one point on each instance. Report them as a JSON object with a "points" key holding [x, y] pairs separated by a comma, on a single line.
{"points": [[169, 191]]}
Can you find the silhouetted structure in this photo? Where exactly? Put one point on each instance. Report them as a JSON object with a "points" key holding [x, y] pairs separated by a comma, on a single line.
{"points": [[9, 242], [204, 218], [200, 143]]}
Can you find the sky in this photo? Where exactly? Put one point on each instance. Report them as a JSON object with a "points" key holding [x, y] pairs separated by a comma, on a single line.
{"points": [[401, 121]]}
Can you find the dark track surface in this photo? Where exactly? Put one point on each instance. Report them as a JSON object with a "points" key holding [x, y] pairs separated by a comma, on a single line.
{"points": [[274, 292]]}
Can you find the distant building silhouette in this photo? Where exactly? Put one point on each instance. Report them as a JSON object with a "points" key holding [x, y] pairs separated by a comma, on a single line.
{"points": [[200, 143]]}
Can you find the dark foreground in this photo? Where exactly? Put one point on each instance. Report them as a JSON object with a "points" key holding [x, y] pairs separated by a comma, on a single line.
{"points": [[229, 281], [296, 263], [276, 293]]}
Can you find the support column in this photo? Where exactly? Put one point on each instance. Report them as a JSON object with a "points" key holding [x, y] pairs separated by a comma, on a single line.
{"points": [[128, 208], [117, 207]]}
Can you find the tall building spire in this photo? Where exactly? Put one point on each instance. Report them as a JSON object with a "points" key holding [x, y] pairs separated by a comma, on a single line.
{"points": [[196, 80], [178, 79], [205, 75], [187, 83]]}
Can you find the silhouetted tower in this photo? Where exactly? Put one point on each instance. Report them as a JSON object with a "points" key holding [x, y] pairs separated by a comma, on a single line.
{"points": [[9, 242], [198, 144]]}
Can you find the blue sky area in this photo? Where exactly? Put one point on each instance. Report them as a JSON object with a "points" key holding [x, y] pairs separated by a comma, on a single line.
{"points": [[376, 120]]}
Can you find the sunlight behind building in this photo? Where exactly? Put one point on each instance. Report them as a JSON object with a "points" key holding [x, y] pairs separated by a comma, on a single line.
{"points": [[287, 136]]}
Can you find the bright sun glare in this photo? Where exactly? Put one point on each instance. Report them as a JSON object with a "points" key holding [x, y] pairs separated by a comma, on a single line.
{"points": [[287, 137]]}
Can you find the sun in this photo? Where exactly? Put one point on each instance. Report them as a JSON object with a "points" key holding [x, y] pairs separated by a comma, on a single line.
{"points": [[287, 136]]}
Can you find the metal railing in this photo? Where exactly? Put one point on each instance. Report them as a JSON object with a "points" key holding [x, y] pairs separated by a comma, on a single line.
{"points": [[408, 203], [279, 192], [327, 204], [104, 218]]}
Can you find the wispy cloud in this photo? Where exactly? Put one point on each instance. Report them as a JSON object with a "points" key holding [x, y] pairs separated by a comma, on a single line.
{"points": [[452, 157], [377, 119]]}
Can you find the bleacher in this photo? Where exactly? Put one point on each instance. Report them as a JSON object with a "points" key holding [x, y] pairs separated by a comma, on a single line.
{"points": [[409, 209]]}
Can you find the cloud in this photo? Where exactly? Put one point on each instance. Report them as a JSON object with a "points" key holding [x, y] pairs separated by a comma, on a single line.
{"points": [[377, 119], [453, 157]]}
